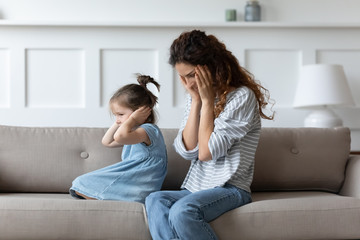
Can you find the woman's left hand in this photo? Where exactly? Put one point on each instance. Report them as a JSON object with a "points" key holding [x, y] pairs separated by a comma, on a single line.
{"points": [[204, 82]]}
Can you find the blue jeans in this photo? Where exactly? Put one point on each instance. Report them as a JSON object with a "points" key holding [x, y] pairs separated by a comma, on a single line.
{"points": [[185, 215]]}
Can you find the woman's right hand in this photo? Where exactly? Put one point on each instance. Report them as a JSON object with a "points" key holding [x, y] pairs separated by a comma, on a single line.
{"points": [[191, 88]]}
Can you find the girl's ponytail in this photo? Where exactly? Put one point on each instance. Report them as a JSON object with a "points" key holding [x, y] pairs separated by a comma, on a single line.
{"points": [[143, 80]]}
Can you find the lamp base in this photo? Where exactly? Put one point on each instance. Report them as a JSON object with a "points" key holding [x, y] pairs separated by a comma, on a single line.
{"points": [[323, 118]]}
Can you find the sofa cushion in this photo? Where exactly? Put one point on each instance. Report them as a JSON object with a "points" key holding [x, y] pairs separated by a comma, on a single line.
{"points": [[292, 215], [301, 159], [35, 159], [58, 216], [177, 166]]}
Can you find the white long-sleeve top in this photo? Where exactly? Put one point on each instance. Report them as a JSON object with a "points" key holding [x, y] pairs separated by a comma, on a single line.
{"points": [[232, 145]]}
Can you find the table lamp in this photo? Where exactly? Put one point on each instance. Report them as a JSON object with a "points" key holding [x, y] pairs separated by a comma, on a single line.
{"points": [[320, 87]]}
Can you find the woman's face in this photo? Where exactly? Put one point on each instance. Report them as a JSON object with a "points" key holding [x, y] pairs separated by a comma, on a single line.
{"points": [[187, 74], [120, 112]]}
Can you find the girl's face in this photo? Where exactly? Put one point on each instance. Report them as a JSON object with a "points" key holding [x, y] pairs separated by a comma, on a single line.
{"points": [[120, 112], [187, 73]]}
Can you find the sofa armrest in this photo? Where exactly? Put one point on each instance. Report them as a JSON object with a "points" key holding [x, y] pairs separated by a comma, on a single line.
{"points": [[351, 186]]}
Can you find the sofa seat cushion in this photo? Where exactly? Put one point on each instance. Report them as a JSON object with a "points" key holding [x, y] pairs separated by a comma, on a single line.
{"points": [[41, 216], [292, 215]]}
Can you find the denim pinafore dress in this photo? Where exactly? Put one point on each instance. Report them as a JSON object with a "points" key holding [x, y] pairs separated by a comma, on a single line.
{"points": [[142, 171]]}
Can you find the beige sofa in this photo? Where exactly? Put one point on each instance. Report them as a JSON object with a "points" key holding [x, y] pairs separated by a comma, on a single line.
{"points": [[306, 186]]}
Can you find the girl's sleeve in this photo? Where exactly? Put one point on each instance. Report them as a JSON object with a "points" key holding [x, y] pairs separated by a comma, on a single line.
{"points": [[178, 142], [233, 123], [152, 132]]}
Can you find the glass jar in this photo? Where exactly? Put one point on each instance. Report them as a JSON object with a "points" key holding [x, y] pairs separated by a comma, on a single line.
{"points": [[252, 11]]}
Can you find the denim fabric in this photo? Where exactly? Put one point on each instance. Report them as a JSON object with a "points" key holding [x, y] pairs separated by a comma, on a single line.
{"points": [[185, 215]]}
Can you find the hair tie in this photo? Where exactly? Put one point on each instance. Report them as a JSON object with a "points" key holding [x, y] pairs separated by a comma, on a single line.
{"points": [[143, 85]]}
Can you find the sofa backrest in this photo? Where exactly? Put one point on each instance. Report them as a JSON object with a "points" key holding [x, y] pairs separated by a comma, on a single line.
{"points": [[301, 159], [48, 159], [35, 159]]}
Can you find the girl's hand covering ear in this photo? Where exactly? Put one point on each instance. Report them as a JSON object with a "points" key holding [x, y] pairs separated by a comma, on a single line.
{"points": [[141, 114]]}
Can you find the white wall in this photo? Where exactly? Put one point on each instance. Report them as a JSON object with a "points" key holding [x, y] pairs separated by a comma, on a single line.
{"points": [[176, 10], [61, 60]]}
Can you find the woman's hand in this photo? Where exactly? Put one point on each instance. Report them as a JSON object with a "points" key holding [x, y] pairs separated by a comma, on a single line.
{"points": [[204, 84], [191, 88], [141, 114], [206, 126]]}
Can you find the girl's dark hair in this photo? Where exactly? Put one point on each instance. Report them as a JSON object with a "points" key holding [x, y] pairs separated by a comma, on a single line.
{"points": [[197, 48], [134, 96]]}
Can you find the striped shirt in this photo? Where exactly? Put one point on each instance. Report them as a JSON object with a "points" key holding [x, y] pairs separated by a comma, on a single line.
{"points": [[232, 145]]}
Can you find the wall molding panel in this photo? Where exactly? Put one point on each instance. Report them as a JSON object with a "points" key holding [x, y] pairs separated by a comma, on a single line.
{"points": [[350, 59], [64, 74], [4, 78], [55, 78], [269, 64], [120, 66]]}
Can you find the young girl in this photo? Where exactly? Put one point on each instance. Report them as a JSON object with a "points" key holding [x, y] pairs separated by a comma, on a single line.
{"points": [[219, 134], [144, 158]]}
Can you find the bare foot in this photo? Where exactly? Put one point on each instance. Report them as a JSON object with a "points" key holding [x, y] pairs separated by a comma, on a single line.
{"points": [[84, 196]]}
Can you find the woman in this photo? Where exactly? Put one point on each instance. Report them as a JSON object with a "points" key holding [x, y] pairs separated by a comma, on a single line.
{"points": [[219, 134]]}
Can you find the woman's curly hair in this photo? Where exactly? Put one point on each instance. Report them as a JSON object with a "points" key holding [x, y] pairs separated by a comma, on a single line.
{"points": [[197, 48]]}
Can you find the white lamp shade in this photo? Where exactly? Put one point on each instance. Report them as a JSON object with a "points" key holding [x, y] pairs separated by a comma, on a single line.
{"points": [[322, 85]]}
